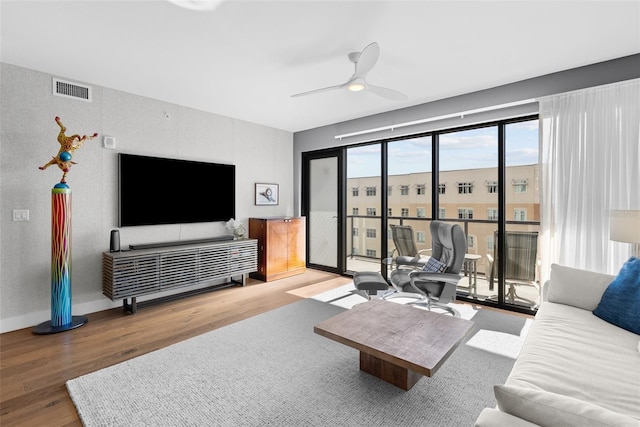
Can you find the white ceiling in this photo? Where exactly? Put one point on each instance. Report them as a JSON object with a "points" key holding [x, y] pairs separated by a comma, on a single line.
{"points": [[245, 58]]}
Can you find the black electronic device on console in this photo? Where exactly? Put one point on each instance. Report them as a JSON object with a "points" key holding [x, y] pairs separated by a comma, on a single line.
{"points": [[114, 243], [180, 242]]}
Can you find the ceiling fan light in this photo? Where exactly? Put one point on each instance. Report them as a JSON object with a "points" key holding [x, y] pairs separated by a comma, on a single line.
{"points": [[355, 86], [199, 5]]}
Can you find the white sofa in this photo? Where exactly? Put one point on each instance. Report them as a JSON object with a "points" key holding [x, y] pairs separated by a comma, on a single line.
{"points": [[574, 368]]}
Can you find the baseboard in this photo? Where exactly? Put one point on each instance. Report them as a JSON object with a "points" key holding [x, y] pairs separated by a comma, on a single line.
{"points": [[35, 318]]}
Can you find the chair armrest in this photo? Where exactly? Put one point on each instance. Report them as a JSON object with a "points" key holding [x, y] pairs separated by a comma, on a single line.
{"points": [[427, 276]]}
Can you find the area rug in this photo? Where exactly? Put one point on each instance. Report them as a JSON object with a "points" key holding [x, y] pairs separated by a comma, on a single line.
{"points": [[272, 370]]}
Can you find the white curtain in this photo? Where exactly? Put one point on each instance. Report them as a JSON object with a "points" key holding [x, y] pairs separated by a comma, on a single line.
{"points": [[590, 164]]}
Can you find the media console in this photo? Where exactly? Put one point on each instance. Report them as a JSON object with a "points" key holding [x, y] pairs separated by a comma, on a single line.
{"points": [[130, 274]]}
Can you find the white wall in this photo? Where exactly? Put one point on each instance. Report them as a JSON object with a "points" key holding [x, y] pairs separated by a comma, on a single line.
{"points": [[141, 126]]}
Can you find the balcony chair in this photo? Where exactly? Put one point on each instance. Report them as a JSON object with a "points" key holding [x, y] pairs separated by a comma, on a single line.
{"points": [[435, 285], [520, 267], [406, 252]]}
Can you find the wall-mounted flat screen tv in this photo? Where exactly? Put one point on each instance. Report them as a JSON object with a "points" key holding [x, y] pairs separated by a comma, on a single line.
{"points": [[155, 190]]}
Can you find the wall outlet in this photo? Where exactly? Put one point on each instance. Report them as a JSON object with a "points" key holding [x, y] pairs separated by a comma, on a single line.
{"points": [[21, 214]]}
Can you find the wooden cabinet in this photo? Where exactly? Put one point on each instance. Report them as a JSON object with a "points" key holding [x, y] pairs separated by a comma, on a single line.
{"points": [[281, 247]]}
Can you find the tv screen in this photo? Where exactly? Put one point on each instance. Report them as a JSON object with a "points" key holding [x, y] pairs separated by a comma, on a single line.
{"points": [[155, 190]]}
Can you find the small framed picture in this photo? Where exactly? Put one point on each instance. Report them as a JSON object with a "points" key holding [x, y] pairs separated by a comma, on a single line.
{"points": [[266, 194]]}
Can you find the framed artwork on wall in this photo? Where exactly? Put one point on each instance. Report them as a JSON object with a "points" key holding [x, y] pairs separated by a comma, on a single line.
{"points": [[266, 194]]}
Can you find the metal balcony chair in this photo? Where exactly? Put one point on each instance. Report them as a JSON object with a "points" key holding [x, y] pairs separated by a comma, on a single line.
{"points": [[520, 265], [434, 288], [406, 253]]}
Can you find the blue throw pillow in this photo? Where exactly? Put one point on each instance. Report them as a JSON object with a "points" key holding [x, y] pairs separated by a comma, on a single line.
{"points": [[620, 303], [434, 266]]}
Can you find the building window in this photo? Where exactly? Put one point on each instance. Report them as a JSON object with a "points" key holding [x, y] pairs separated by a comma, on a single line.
{"points": [[490, 243], [371, 233], [465, 213], [354, 192], [371, 191], [404, 190], [442, 188], [519, 185], [354, 211], [492, 186], [492, 214], [371, 253], [354, 251], [465, 187], [389, 190], [421, 189], [520, 214], [404, 212], [354, 232], [389, 212], [421, 237], [471, 241], [371, 211], [442, 213], [420, 213]]}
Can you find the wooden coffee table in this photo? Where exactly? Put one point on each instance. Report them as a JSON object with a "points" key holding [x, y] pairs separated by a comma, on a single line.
{"points": [[398, 343]]}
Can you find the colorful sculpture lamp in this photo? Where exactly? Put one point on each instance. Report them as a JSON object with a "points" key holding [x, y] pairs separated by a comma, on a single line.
{"points": [[61, 317]]}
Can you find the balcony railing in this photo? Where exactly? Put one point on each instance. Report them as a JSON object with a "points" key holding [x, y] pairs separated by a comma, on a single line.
{"points": [[480, 239]]}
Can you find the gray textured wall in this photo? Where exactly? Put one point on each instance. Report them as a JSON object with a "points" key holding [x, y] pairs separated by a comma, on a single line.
{"points": [[28, 140]]}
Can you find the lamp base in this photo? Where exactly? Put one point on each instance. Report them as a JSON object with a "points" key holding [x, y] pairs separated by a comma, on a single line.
{"points": [[45, 328]]}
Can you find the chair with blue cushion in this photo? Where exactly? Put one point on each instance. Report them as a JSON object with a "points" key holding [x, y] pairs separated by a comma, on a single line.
{"points": [[435, 284]]}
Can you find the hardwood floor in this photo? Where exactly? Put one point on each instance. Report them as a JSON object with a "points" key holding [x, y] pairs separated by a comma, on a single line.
{"points": [[35, 368]]}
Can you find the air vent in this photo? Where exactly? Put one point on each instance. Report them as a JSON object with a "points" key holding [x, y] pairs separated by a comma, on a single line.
{"points": [[71, 90]]}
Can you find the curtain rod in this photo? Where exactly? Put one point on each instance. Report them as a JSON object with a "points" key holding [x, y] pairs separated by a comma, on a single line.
{"points": [[591, 88], [433, 119]]}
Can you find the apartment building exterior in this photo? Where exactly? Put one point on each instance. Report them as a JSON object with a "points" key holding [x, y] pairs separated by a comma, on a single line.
{"points": [[469, 197]]}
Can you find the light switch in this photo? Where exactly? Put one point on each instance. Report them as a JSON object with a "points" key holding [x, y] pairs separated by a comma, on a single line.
{"points": [[21, 214]]}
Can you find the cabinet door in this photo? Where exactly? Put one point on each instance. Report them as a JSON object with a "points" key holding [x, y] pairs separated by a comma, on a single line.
{"points": [[297, 250], [277, 246]]}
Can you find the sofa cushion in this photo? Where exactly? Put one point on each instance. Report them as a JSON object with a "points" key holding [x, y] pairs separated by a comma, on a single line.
{"points": [[571, 352], [620, 303], [492, 417], [547, 409], [578, 288]]}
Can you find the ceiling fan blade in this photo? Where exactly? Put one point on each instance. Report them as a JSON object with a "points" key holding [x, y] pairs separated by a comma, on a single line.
{"points": [[311, 92], [366, 61], [388, 93]]}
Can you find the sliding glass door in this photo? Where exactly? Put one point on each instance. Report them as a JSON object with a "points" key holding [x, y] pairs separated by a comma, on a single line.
{"points": [[468, 195], [484, 177], [521, 284], [321, 206], [364, 194]]}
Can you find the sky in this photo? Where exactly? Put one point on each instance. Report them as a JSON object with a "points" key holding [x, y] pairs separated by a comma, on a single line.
{"points": [[471, 149]]}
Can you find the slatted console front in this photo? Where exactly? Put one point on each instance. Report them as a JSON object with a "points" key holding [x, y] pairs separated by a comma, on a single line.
{"points": [[134, 273]]}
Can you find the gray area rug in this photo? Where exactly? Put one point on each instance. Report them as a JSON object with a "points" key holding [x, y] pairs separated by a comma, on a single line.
{"points": [[272, 370]]}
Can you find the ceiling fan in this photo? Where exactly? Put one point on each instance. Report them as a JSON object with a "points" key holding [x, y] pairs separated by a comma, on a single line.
{"points": [[364, 62]]}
